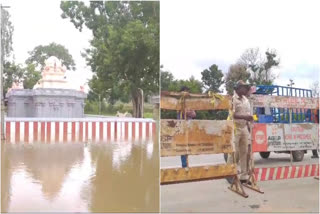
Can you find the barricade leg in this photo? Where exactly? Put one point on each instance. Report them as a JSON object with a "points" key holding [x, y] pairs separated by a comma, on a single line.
{"points": [[236, 184], [252, 181], [237, 187]]}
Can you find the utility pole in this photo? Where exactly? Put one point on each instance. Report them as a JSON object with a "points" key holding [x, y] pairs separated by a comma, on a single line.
{"points": [[290, 85], [290, 110], [1, 73]]}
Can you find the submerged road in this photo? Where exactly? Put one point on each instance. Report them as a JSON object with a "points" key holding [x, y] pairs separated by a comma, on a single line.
{"points": [[288, 195]]}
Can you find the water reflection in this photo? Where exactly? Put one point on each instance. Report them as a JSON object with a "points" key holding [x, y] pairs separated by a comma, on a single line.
{"points": [[5, 180], [120, 177], [134, 181], [49, 164], [120, 153]]}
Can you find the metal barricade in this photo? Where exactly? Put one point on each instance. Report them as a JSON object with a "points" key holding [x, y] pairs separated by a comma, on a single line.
{"points": [[196, 137]]}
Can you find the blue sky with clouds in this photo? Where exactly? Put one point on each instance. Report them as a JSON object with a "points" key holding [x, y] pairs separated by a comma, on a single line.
{"points": [[197, 34]]}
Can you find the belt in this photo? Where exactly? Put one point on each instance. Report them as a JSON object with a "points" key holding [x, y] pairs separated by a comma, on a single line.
{"points": [[240, 125]]}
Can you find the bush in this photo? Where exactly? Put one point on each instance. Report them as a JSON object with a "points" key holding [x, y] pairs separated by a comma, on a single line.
{"points": [[212, 115], [120, 107], [110, 109], [168, 114], [148, 115], [201, 115], [104, 107], [92, 107]]}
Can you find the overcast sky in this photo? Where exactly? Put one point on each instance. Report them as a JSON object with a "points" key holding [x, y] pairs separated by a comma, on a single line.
{"points": [[40, 23], [197, 34], [194, 35]]}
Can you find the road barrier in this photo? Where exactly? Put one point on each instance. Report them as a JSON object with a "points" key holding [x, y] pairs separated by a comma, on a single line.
{"points": [[196, 137], [286, 172], [54, 130]]}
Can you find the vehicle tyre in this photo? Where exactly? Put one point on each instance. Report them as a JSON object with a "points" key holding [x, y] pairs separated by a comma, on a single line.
{"points": [[264, 155], [297, 155]]}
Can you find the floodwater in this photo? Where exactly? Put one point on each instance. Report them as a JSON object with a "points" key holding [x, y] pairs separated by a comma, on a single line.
{"points": [[100, 177]]}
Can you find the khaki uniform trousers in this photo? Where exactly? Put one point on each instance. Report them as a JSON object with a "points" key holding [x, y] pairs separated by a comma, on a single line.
{"points": [[241, 140]]}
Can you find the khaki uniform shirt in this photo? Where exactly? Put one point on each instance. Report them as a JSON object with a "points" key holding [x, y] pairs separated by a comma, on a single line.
{"points": [[240, 106]]}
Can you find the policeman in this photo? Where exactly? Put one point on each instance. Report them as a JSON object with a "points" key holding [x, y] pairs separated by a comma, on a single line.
{"points": [[241, 116]]}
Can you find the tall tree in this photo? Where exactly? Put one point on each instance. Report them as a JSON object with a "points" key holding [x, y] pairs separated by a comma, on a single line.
{"points": [[9, 67], [7, 32], [30, 76], [125, 45], [212, 79], [260, 68], [271, 62], [166, 79], [36, 61], [236, 72], [194, 85], [315, 89], [252, 60], [42, 52], [169, 83], [13, 73]]}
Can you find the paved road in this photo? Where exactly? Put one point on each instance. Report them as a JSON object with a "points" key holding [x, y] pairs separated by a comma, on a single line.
{"points": [[292, 195], [274, 159]]}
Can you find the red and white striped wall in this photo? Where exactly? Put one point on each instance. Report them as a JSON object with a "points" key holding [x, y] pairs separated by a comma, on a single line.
{"points": [[286, 172], [54, 130]]}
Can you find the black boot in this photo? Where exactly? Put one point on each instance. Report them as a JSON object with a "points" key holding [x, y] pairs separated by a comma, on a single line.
{"points": [[315, 154]]}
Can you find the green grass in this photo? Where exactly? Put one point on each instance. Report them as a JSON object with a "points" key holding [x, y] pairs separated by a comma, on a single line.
{"points": [[148, 115], [92, 107]]}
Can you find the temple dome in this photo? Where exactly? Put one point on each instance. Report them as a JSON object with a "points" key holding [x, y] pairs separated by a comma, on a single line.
{"points": [[52, 60], [53, 64]]}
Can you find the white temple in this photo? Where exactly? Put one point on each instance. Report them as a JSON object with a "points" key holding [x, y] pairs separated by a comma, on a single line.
{"points": [[16, 85], [52, 96], [53, 75]]}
